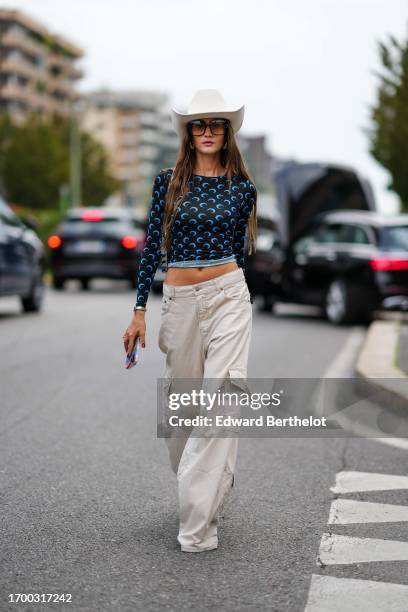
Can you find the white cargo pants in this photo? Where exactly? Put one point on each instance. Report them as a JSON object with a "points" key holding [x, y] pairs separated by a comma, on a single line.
{"points": [[205, 334]]}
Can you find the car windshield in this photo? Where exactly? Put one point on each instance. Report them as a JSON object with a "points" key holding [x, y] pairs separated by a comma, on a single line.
{"points": [[394, 237]]}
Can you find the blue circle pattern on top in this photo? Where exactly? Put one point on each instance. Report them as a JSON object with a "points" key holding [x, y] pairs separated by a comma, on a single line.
{"points": [[210, 224]]}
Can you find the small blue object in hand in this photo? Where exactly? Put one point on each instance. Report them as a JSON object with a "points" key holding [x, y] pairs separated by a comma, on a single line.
{"points": [[133, 357]]}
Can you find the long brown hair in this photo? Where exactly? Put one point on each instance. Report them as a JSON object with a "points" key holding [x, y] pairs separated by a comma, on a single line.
{"points": [[230, 158]]}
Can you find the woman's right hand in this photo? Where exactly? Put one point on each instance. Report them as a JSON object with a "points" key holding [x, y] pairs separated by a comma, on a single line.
{"points": [[136, 328]]}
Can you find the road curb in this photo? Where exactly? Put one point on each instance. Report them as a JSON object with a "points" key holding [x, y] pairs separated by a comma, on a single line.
{"points": [[377, 364]]}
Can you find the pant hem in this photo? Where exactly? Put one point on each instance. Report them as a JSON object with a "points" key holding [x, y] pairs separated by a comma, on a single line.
{"points": [[193, 549]]}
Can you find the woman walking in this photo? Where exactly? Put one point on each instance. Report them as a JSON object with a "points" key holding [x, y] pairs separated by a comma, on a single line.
{"points": [[199, 215]]}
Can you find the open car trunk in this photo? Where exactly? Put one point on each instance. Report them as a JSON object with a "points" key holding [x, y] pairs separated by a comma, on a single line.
{"points": [[305, 190]]}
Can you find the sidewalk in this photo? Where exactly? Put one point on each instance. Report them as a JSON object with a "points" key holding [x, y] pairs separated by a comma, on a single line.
{"points": [[402, 354], [383, 359]]}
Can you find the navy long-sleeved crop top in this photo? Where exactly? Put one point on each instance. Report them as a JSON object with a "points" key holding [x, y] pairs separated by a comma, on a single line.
{"points": [[210, 224]]}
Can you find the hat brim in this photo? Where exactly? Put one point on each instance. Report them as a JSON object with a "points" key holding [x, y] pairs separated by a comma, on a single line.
{"points": [[180, 119]]}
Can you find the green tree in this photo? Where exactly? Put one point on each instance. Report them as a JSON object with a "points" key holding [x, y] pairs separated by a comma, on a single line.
{"points": [[6, 136], [98, 183], [34, 163], [388, 133]]}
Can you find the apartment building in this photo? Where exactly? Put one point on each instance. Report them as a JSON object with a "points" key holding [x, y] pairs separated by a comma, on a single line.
{"points": [[135, 129], [38, 68]]}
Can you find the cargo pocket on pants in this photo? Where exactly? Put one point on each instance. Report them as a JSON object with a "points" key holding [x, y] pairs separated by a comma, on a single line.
{"points": [[239, 378], [233, 405], [174, 437], [163, 411]]}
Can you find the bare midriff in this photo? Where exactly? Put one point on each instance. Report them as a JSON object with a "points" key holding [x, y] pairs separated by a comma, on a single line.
{"points": [[189, 276]]}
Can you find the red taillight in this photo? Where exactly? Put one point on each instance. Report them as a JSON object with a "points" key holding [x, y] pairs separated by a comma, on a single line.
{"points": [[92, 215], [129, 242], [54, 242], [385, 264]]}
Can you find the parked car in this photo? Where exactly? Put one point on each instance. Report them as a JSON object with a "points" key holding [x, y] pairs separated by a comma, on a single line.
{"points": [[22, 257], [97, 243], [351, 263], [303, 191]]}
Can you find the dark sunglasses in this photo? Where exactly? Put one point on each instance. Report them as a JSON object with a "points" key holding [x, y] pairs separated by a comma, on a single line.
{"points": [[197, 127]]}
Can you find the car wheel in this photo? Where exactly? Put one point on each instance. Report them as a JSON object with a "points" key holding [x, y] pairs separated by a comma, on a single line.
{"points": [[340, 303], [33, 302]]}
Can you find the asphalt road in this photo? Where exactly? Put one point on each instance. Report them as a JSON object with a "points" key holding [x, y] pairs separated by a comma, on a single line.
{"points": [[89, 503]]}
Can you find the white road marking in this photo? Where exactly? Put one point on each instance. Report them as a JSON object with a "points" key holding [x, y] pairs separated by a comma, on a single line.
{"points": [[350, 511], [340, 550], [343, 367], [367, 432], [329, 594], [349, 481]]}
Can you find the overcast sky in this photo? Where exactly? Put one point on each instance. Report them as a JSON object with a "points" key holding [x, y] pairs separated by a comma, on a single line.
{"points": [[305, 69]]}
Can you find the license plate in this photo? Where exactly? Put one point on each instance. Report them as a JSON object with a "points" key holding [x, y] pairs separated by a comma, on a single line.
{"points": [[88, 246]]}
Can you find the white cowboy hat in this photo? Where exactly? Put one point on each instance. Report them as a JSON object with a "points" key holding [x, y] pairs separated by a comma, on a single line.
{"points": [[208, 103]]}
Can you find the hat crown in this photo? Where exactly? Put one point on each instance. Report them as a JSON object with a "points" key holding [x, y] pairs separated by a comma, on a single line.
{"points": [[206, 100]]}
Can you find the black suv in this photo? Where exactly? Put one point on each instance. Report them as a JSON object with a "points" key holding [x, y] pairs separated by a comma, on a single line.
{"points": [[97, 243], [22, 260], [350, 263]]}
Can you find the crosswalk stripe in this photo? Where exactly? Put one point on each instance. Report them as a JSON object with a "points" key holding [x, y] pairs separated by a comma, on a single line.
{"points": [[339, 550], [329, 594], [349, 481], [349, 511]]}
